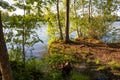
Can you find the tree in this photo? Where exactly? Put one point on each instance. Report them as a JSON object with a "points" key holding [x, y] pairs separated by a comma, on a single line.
{"points": [[4, 60], [21, 4], [58, 18], [67, 23], [27, 23], [99, 25], [91, 33], [76, 18]]}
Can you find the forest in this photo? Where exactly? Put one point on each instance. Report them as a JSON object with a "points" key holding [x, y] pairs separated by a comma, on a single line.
{"points": [[59, 39]]}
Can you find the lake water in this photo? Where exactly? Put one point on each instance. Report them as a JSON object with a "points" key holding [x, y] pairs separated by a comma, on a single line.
{"points": [[114, 34], [38, 49]]}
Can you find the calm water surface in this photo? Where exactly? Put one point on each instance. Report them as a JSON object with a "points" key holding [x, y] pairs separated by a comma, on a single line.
{"points": [[38, 49]]}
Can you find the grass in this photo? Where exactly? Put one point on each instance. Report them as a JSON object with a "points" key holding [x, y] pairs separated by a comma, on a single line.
{"points": [[78, 76]]}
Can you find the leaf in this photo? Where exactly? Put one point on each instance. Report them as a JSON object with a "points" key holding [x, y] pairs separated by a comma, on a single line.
{"points": [[6, 5]]}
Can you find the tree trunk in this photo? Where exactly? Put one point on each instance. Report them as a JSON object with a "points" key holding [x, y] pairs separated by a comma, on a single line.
{"points": [[67, 23], [89, 21], [75, 15], [83, 10], [89, 11], [4, 60], [83, 3], [23, 36], [59, 24]]}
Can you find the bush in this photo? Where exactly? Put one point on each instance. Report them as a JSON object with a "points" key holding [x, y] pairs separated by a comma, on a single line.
{"points": [[29, 72], [78, 76]]}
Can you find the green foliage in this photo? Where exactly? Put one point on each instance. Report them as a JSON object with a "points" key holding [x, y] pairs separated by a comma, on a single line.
{"points": [[19, 71], [54, 63], [37, 11], [54, 75], [6, 5], [101, 68], [86, 53], [56, 58], [31, 71], [15, 54], [100, 23], [113, 65], [88, 60], [97, 62], [52, 40], [14, 24], [78, 76], [51, 19], [41, 69]]}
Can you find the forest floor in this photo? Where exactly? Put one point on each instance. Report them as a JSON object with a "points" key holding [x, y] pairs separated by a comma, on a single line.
{"points": [[95, 56]]}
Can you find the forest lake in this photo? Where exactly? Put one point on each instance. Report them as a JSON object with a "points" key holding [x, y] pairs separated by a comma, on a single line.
{"points": [[38, 49]]}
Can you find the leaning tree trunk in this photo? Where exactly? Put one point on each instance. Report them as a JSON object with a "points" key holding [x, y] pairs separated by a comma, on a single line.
{"points": [[4, 60], [67, 23], [58, 18]]}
